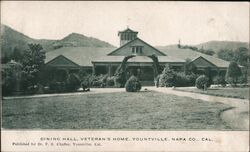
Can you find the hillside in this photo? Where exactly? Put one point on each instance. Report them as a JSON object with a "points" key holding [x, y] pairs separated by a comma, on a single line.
{"points": [[11, 39], [216, 46]]}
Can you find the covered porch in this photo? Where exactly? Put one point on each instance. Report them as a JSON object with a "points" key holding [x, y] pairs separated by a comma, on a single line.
{"points": [[141, 66]]}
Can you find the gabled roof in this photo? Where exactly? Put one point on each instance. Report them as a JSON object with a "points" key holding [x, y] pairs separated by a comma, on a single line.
{"points": [[84, 56], [200, 57], [127, 30], [61, 57], [79, 55], [132, 42], [190, 54]]}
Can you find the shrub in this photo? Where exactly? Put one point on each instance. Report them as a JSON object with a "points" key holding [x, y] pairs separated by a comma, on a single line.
{"points": [[166, 79], [202, 82], [177, 79], [133, 84], [85, 85], [242, 79], [57, 87], [220, 80], [183, 80], [191, 78], [110, 81], [73, 83], [97, 81]]}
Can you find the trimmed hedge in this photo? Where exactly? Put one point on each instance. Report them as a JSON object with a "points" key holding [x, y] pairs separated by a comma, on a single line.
{"points": [[202, 82], [183, 80], [220, 80], [133, 84], [170, 78]]}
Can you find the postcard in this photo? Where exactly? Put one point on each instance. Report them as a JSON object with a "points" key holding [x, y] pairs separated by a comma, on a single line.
{"points": [[124, 76]]}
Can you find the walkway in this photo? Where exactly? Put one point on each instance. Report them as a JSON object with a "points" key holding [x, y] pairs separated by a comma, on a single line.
{"points": [[237, 118]]}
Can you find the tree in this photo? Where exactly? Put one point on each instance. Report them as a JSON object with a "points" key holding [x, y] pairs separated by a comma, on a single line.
{"points": [[190, 67], [209, 52], [5, 57], [225, 54], [167, 78], [233, 73], [156, 65], [120, 73], [241, 56], [11, 78], [16, 55], [32, 61]]}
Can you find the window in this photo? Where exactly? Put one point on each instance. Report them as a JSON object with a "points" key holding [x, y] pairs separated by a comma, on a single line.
{"points": [[133, 49], [137, 49], [140, 49]]}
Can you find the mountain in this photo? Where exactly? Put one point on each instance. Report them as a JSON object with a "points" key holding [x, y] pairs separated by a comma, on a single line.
{"points": [[216, 46], [78, 40], [11, 39]]}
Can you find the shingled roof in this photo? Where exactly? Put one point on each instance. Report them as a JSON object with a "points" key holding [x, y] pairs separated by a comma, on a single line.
{"points": [[190, 54], [79, 55], [84, 56]]}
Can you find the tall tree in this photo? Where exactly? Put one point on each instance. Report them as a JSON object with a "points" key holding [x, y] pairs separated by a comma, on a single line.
{"points": [[233, 73], [16, 55], [226, 54], [32, 62], [241, 56]]}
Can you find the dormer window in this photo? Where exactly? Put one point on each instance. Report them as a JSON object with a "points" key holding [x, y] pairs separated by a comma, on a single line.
{"points": [[133, 49], [137, 49]]}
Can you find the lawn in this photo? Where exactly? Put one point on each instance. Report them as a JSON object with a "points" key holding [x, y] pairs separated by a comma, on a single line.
{"points": [[127, 111], [241, 93]]}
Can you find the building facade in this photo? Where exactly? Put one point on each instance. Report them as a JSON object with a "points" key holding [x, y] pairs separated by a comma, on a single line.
{"points": [[106, 60], [140, 65]]}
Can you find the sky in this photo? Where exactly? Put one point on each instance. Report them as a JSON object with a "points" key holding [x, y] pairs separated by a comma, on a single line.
{"points": [[158, 23]]}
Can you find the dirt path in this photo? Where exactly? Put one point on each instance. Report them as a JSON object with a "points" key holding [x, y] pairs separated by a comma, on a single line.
{"points": [[236, 117]]}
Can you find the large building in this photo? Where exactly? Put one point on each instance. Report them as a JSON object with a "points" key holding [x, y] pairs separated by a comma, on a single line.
{"points": [[99, 60]]}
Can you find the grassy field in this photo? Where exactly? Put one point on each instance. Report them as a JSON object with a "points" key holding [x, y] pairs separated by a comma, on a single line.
{"points": [[142, 110], [241, 93]]}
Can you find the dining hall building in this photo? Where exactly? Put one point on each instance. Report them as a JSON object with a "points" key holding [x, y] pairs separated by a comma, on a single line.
{"points": [[105, 60]]}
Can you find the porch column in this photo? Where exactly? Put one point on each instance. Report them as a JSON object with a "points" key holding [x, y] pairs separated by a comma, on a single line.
{"points": [[93, 69], [109, 70]]}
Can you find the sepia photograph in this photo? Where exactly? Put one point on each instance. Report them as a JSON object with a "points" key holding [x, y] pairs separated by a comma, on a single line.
{"points": [[124, 66]]}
